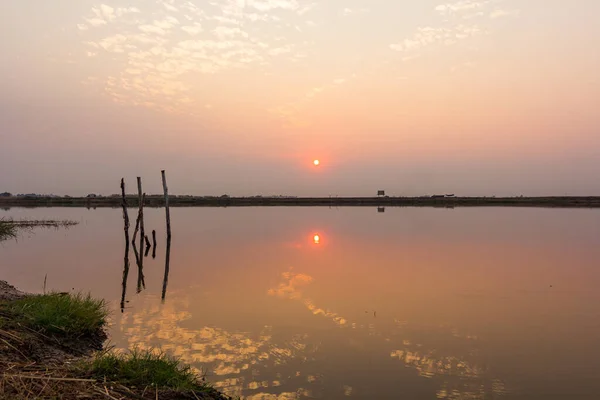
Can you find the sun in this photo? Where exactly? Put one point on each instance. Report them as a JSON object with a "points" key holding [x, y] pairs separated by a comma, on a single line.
{"points": [[316, 163]]}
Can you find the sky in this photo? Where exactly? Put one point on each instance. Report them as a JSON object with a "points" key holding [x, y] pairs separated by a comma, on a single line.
{"points": [[238, 97]]}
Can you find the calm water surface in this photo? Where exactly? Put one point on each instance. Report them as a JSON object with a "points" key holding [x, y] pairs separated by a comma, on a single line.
{"points": [[411, 303]]}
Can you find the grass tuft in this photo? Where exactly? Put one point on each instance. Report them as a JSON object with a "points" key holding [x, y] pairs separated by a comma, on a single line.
{"points": [[144, 368], [7, 230], [72, 315]]}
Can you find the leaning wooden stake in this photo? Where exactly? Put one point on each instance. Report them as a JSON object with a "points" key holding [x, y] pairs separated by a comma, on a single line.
{"points": [[164, 182], [139, 223]]}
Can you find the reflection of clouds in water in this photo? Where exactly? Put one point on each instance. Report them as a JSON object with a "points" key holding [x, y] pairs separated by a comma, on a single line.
{"points": [[238, 359], [221, 352], [460, 390], [429, 364], [291, 288], [280, 396], [472, 382]]}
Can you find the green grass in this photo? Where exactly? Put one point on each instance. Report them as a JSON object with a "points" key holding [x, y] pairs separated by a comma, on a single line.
{"points": [[72, 315], [144, 368]]}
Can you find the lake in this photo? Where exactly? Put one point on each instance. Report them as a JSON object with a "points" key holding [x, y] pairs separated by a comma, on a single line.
{"points": [[298, 303]]}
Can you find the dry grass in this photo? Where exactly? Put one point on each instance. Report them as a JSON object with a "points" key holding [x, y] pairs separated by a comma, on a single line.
{"points": [[46, 223], [9, 227], [35, 381]]}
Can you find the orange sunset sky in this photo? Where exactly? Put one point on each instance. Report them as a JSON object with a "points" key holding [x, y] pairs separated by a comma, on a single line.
{"points": [[473, 97]]}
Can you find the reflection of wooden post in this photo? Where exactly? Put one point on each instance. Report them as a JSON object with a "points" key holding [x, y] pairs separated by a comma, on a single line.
{"points": [[124, 283], [126, 258], [140, 222], [141, 284], [154, 243], [166, 190], [166, 277], [147, 246]]}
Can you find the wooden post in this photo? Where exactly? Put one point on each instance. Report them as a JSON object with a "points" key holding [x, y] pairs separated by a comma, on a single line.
{"points": [[166, 190], [125, 214], [142, 198], [126, 258], [139, 258], [168, 252]]}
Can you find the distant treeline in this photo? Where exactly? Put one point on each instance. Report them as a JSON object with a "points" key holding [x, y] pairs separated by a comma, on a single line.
{"points": [[227, 201]]}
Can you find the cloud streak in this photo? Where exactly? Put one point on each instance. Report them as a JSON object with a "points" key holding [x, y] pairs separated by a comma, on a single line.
{"points": [[158, 46]]}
